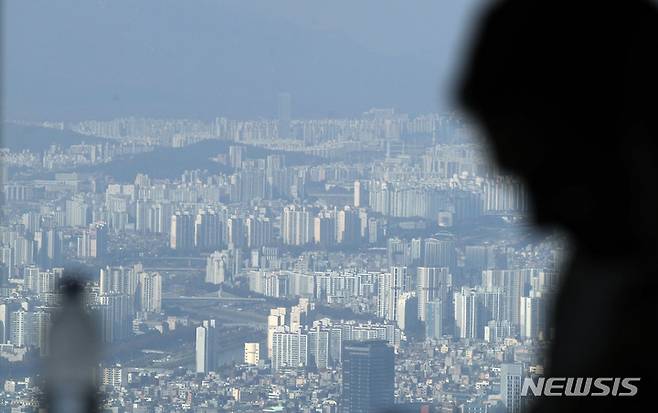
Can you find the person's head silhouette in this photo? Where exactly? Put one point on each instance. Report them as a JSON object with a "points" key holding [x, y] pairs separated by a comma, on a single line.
{"points": [[565, 92]]}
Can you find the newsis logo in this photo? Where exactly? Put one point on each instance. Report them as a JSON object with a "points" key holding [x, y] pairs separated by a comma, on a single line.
{"points": [[579, 386]]}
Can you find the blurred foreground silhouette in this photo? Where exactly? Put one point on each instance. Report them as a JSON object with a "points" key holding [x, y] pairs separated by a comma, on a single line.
{"points": [[566, 93], [70, 370]]}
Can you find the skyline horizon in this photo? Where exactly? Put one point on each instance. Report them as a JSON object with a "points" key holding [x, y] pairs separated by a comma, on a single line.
{"points": [[227, 57]]}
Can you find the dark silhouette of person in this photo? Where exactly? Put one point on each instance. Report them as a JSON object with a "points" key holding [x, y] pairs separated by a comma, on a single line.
{"points": [[566, 92], [70, 379]]}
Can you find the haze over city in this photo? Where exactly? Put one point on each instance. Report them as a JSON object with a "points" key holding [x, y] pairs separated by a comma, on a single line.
{"points": [[271, 206]]}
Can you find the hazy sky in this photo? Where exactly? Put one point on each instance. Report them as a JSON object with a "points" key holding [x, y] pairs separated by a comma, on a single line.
{"points": [[77, 59]]}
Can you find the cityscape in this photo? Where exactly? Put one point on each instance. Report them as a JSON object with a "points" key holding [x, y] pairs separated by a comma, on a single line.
{"points": [[374, 263]]}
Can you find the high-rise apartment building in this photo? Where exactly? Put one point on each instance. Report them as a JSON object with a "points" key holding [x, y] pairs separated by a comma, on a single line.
{"points": [[318, 347], [324, 229], [4, 323], [259, 231], [295, 226], [289, 350], [466, 313], [511, 378], [360, 195], [276, 319], [368, 377], [219, 267], [513, 285], [182, 231], [348, 226], [251, 354], [235, 155], [439, 253], [435, 319], [432, 284], [206, 347], [391, 285], [98, 235], [208, 230], [150, 292]]}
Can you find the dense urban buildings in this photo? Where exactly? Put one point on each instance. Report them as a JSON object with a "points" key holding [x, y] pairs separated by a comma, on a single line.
{"points": [[296, 265]]}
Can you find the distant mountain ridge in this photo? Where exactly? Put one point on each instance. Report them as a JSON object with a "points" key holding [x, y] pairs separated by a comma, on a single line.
{"points": [[18, 137], [172, 162], [163, 162]]}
